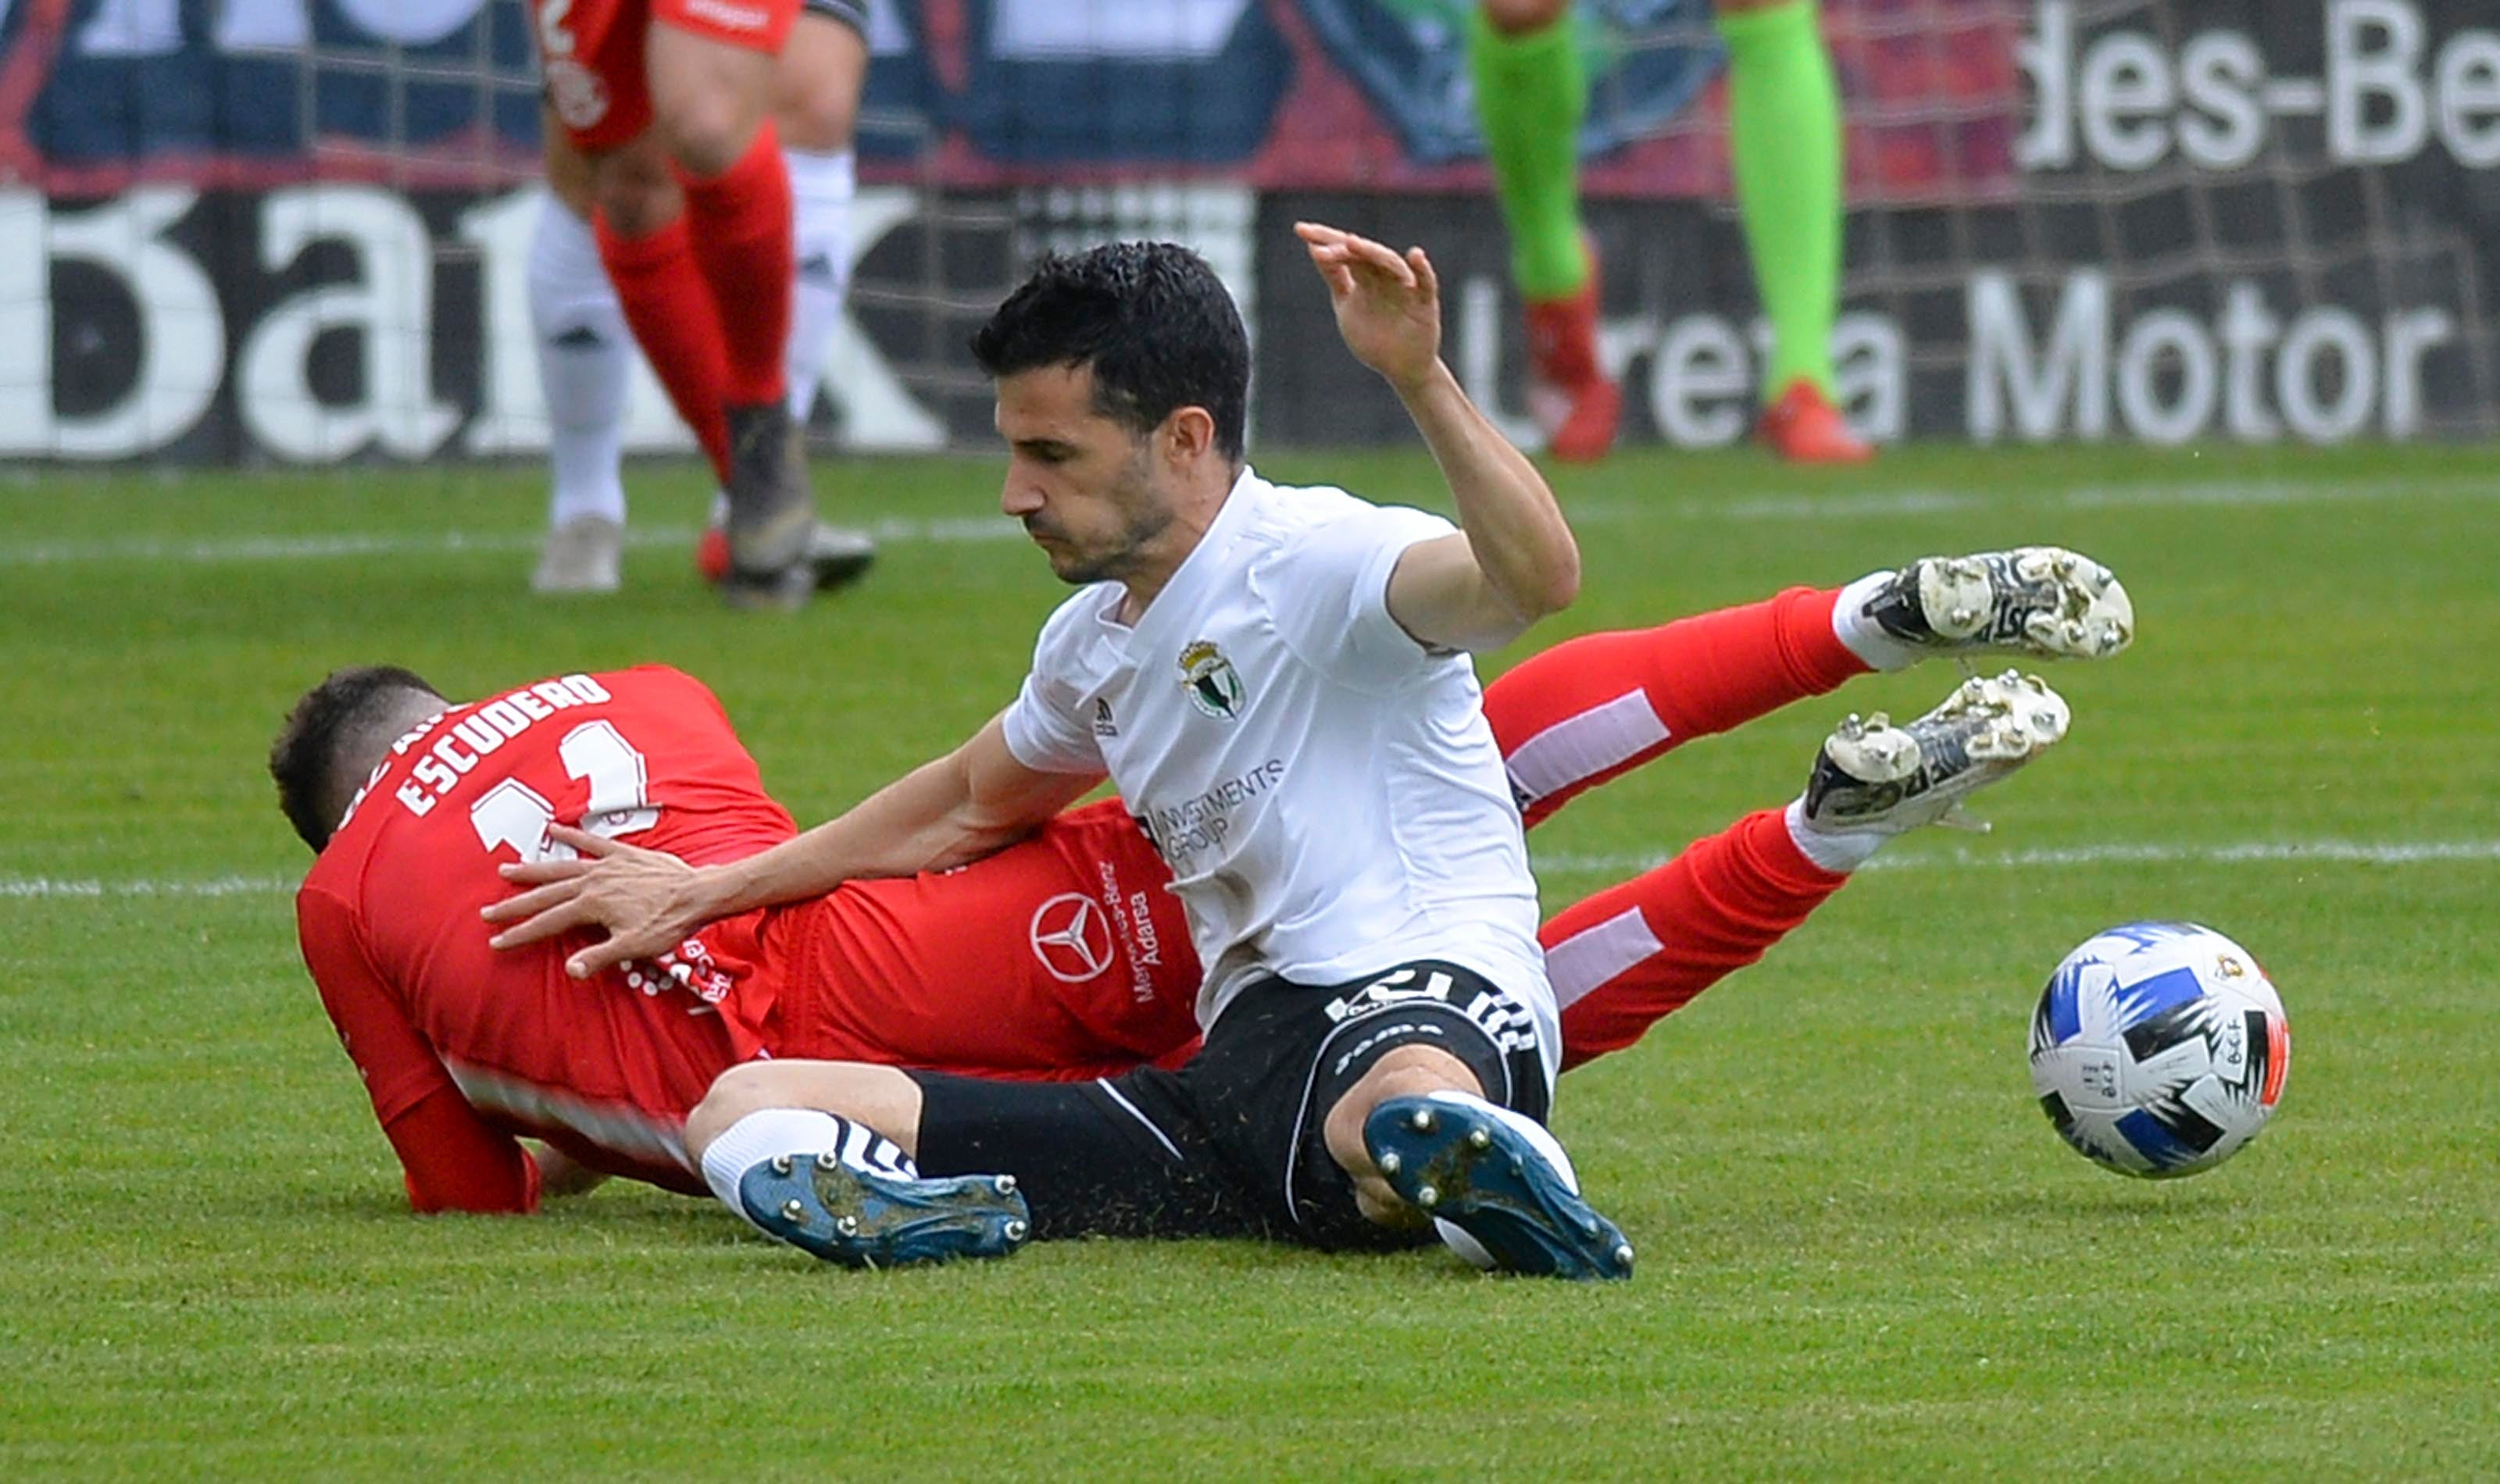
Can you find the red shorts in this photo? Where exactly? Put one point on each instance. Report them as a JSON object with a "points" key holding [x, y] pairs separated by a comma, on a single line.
{"points": [[590, 54], [1065, 957]]}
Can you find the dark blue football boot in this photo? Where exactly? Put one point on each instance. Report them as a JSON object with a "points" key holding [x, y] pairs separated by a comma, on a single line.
{"points": [[1500, 1179], [862, 1219]]}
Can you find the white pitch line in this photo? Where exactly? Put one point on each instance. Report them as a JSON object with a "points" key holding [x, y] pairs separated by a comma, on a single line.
{"points": [[312, 548], [897, 531], [2293, 851], [92, 889]]}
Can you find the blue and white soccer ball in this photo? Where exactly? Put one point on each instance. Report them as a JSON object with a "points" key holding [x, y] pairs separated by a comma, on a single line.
{"points": [[2159, 1049]]}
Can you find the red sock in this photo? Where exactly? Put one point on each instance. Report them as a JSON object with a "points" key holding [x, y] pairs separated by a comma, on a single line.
{"points": [[742, 237], [1634, 955], [1594, 707], [670, 309]]}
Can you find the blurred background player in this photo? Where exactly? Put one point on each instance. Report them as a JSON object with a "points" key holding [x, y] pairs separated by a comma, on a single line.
{"points": [[670, 102], [1784, 136], [584, 350]]}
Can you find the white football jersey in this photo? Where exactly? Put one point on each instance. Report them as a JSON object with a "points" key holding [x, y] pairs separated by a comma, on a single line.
{"points": [[1326, 791]]}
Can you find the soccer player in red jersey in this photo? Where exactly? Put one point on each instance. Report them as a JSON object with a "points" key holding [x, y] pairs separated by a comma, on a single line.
{"points": [[671, 101], [1060, 958], [463, 1047], [585, 350]]}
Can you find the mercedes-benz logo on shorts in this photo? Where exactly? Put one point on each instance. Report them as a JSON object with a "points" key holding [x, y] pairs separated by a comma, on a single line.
{"points": [[1071, 937]]}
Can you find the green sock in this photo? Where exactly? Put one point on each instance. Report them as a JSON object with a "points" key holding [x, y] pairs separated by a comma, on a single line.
{"points": [[1784, 134], [1531, 92]]}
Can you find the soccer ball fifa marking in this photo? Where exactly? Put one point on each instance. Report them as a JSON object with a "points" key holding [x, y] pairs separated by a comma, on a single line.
{"points": [[2159, 1049]]}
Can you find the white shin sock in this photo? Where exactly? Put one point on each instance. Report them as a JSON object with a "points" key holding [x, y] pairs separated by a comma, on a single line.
{"points": [[803, 1134], [585, 352], [1863, 637], [1839, 851], [821, 186]]}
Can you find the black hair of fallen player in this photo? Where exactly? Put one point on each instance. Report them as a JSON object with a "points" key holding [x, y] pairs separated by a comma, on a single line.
{"points": [[1152, 321], [346, 709]]}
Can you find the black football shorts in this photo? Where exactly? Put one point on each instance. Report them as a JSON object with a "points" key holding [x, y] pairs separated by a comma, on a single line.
{"points": [[1231, 1143]]}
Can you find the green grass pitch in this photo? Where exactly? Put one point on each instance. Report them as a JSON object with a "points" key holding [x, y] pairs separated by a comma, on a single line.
{"points": [[1863, 1252]]}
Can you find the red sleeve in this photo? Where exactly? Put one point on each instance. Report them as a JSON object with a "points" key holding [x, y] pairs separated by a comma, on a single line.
{"points": [[454, 1159]]}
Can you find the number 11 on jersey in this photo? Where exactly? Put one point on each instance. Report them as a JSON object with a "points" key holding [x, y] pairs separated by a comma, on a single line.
{"points": [[514, 814]]}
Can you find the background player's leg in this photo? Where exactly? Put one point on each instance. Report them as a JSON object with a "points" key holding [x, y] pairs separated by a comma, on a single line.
{"points": [[1594, 707], [1634, 953], [712, 99], [711, 94], [1531, 89], [585, 355], [1785, 142], [816, 110], [649, 256]]}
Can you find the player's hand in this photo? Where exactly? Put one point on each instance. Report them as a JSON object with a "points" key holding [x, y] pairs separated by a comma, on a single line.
{"points": [[647, 901], [1387, 307]]}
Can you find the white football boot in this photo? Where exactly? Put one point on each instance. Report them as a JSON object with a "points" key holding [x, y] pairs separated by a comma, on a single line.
{"points": [[583, 555], [2039, 601], [1875, 779]]}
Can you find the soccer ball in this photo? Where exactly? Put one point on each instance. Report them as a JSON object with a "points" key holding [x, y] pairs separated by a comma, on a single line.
{"points": [[2159, 1049]]}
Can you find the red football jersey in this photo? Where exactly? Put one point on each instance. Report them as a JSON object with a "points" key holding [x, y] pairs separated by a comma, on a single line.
{"points": [[604, 1069], [1062, 956]]}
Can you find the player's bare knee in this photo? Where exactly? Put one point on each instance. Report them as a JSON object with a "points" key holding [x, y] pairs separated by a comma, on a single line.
{"points": [[635, 190], [816, 89], [707, 135], [882, 1098], [732, 1096], [708, 98], [1518, 18]]}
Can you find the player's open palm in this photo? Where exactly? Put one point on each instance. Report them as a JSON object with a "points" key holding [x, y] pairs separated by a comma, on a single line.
{"points": [[645, 900], [1387, 307]]}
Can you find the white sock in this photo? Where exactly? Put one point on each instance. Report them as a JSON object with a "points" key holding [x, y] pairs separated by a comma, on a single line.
{"points": [[821, 186], [1839, 851], [584, 353], [1865, 637], [803, 1134]]}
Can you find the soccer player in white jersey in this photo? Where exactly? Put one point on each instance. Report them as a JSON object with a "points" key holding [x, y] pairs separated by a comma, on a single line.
{"points": [[1278, 680], [586, 351]]}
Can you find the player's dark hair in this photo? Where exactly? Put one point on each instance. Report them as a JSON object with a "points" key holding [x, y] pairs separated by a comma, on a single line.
{"points": [[362, 707], [1151, 319]]}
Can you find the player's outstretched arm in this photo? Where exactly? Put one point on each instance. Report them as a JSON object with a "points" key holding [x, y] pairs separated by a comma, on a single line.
{"points": [[972, 802], [1515, 560]]}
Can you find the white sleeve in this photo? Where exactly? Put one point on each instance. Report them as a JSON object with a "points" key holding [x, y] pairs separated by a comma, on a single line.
{"points": [[1329, 588], [1045, 728]]}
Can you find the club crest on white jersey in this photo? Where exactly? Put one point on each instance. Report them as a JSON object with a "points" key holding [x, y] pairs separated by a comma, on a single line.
{"points": [[1214, 687]]}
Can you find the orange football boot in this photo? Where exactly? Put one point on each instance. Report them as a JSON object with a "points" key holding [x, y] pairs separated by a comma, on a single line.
{"points": [[838, 554], [1569, 391], [1803, 427]]}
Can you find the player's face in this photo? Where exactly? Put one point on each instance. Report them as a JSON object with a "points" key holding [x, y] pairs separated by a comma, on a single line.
{"points": [[1082, 483]]}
